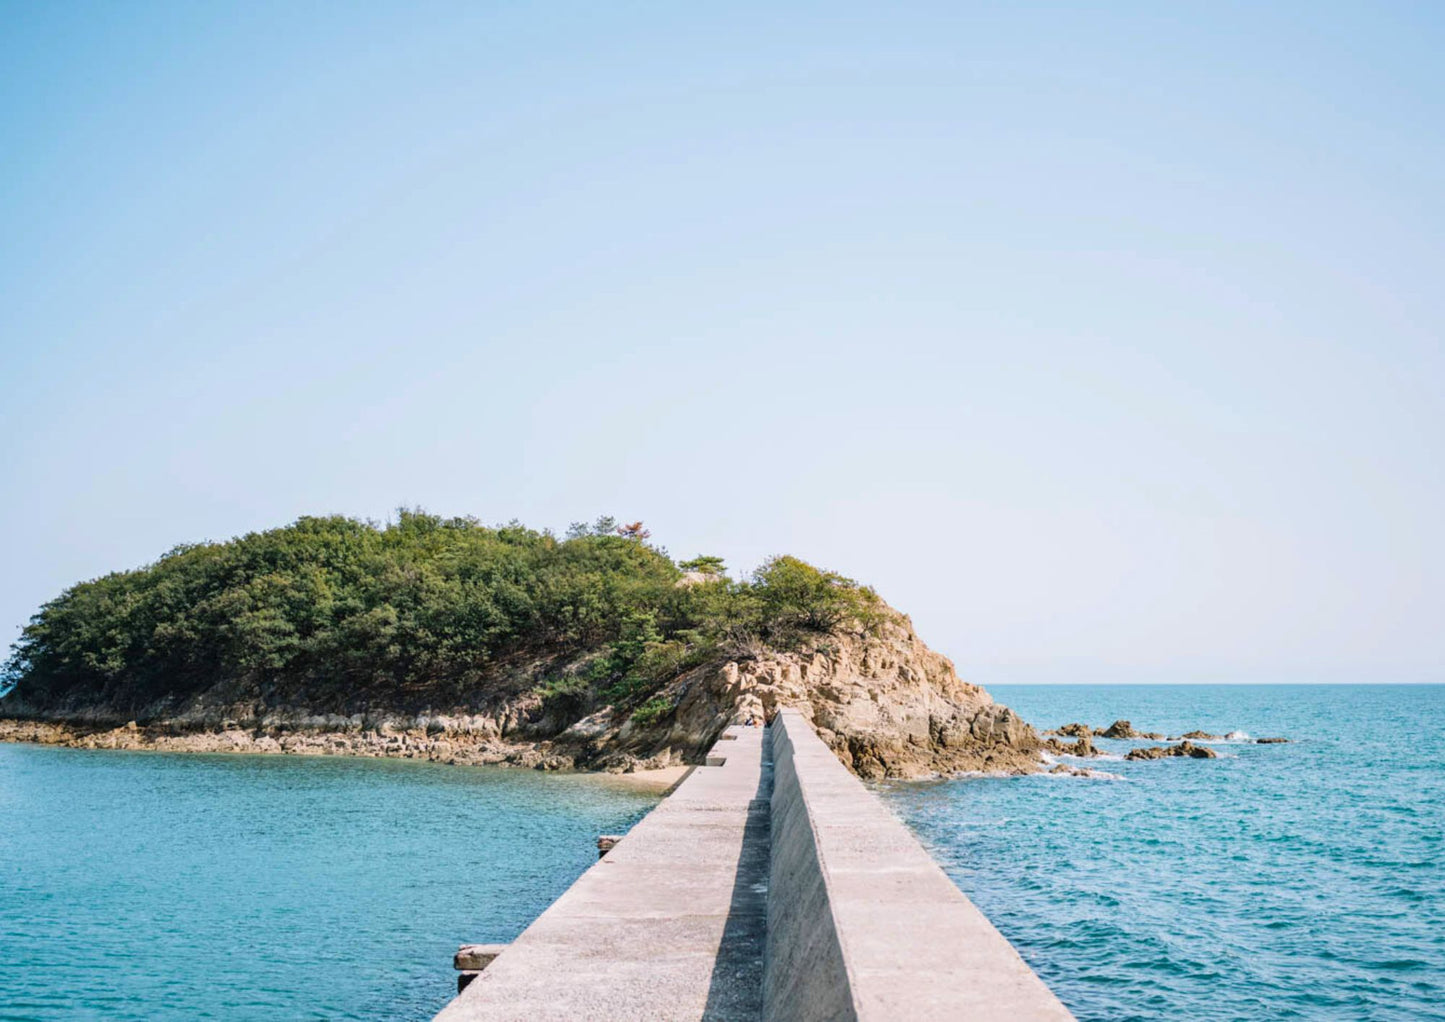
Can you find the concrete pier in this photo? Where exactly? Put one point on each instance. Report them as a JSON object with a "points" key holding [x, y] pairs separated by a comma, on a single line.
{"points": [[770, 885], [669, 924]]}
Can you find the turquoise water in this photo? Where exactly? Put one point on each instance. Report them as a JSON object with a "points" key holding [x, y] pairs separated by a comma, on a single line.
{"points": [[151, 886], [1278, 881]]}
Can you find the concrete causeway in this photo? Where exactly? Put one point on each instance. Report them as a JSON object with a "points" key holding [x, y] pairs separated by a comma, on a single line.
{"points": [[669, 924], [760, 890]]}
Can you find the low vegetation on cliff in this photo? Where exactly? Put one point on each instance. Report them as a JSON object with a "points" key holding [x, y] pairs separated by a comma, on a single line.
{"points": [[337, 614]]}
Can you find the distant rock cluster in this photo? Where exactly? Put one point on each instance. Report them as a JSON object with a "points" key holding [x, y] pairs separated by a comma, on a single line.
{"points": [[1084, 735], [1182, 749]]}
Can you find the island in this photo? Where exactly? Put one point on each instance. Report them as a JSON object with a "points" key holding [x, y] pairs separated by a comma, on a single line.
{"points": [[448, 640]]}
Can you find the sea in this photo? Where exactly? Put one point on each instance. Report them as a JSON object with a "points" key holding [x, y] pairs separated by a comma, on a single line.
{"points": [[1294, 881], [175, 886]]}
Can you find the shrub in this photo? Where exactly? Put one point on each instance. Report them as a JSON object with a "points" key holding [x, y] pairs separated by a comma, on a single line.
{"points": [[652, 711]]}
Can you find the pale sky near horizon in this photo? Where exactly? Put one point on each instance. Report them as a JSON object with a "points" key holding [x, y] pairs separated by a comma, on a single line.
{"points": [[1105, 340]]}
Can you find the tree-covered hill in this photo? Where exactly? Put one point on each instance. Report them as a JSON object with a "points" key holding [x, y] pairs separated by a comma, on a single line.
{"points": [[339, 614]]}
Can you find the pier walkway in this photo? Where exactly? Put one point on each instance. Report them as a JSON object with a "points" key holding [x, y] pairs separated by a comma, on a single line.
{"points": [[669, 924], [771, 884]]}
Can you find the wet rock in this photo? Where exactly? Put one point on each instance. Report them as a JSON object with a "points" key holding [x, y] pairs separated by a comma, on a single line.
{"points": [[1270, 741], [1123, 729], [1188, 749], [1083, 747], [1201, 736], [1072, 731]]}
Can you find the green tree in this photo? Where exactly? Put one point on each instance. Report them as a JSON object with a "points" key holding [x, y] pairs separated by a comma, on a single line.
{"points": [[339, 614]]}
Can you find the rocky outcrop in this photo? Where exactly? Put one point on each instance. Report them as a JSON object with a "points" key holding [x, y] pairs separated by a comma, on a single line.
{"points": [[1270, 741], [1202, 736], [1083, 747], [1072, 731], [1188, 749], [886, 704], [468, 749], [1123, 729]]}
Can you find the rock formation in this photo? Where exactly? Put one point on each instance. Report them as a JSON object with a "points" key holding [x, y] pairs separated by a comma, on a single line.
{"points": [[1083, 747], [1123, 729], [1182, 749], [886, 704]]}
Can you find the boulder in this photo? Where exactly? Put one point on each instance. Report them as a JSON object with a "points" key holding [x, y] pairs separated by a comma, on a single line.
{"points": [[1188, 749], [1083, 747]]}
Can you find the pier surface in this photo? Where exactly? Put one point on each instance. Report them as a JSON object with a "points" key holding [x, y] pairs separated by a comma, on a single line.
{"points": [[669, 924], [774, 886]]}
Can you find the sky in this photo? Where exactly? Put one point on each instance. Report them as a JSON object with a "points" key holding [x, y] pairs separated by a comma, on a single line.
{"points": [[1104, 339]]}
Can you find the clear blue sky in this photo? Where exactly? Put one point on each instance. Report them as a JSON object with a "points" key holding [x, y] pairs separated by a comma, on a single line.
{"points": [[1105, 339]]}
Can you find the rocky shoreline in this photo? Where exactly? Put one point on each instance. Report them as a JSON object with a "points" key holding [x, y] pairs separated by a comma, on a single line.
{"points": [[390, 743]]}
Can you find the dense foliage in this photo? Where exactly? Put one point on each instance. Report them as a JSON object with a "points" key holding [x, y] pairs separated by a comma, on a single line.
{"points": [[342, 612]]}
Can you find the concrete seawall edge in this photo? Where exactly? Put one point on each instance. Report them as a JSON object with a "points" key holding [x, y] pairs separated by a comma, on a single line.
{"points": [[862, 922]]}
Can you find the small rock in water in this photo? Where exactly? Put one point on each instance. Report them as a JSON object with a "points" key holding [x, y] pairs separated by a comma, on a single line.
{"points": [[1120, 729], [1182, 749], [1124, 729], [1270, 741], [1073, 731], [1083, 747], [1201, 735]]}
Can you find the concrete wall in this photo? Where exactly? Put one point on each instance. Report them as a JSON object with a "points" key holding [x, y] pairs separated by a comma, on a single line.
{"points": [[803, 972], [862, 923]]}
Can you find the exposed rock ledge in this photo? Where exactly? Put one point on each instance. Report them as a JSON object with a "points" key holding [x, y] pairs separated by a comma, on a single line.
{"points": [[283, 737], [886, 704]]}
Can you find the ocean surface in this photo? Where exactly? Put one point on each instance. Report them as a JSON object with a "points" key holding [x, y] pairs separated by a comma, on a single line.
{"points": [[1279, 881], [1299, 881], [154, 886]]}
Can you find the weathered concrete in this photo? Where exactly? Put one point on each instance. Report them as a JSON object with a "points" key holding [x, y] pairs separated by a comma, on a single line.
{"points": [[476, 956], [783, 891], [668, 925], [862, 924]]}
